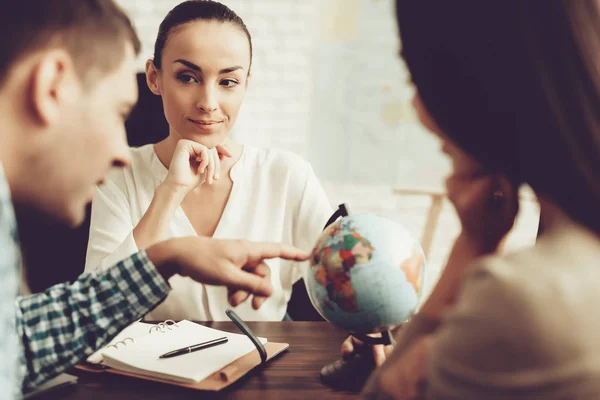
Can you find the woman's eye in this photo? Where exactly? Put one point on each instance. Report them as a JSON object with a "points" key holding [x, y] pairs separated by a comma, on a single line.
{"points": [[229, 83], [184, 78]]}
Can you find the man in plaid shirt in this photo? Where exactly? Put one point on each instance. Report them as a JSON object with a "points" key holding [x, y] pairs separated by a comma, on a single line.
{"points": [[67, 82]]}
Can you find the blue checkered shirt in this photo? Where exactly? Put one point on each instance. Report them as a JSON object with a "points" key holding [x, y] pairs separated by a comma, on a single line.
{"points": [[47, 333]]}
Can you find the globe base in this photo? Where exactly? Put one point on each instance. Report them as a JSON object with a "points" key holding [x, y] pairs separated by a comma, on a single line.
{"points": [[351, 372]]}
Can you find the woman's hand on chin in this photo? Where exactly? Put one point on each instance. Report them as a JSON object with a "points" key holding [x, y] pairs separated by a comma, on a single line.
{"points": [[193, 164]]}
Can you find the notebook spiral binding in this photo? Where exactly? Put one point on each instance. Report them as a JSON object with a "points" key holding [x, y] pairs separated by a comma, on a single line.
{"points": [[162, 327], [165, 326]]}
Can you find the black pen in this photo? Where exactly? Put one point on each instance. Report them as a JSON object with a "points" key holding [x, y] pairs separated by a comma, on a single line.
{"points": [[195, 347]]}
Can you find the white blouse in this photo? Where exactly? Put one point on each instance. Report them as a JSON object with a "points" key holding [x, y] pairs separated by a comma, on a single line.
{"points": [[275, 197]]}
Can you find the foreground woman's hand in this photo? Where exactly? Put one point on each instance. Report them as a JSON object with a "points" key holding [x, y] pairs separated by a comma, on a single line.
{"points": [[352, 344], [403, 377]]}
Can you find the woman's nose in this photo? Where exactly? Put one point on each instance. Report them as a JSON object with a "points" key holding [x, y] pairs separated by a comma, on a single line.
{"points": [[207, 100]]}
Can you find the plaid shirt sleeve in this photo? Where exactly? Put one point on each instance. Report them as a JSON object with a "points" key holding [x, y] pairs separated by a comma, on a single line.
{"points": [[68, 322]]}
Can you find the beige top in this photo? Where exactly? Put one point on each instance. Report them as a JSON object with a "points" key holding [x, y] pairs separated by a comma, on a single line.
{"points": [[525, 326]]}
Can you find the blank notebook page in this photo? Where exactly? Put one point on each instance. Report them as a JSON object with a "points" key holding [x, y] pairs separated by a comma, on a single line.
{"points": [[133, 331], [142, 356]]}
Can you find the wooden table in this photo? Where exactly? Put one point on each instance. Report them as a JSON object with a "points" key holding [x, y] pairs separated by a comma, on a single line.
{"points": [[293, 375]]}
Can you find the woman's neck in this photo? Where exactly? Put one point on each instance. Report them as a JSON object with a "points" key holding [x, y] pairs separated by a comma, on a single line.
{"points": [[559, 228], [554, 220], [551, 216]]}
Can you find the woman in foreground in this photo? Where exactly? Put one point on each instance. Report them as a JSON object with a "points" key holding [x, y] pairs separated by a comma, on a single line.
{"points": [[513, 90]]}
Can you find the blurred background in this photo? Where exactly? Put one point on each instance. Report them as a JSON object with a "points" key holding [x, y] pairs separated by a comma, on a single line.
{"points": [[329, 85]]}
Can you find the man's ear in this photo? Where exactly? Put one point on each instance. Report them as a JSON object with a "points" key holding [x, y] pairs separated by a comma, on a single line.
{"points": [[152, 78], [54, 82]]}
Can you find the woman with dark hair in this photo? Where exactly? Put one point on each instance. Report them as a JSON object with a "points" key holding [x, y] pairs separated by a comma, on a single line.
{"points": [[199, 181], [512, 88]]}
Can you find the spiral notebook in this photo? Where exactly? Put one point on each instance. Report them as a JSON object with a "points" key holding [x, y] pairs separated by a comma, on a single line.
{"points": [[136, 350]]}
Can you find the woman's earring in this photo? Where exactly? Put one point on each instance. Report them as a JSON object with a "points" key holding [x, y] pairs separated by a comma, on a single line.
{"points": [[498, 198]]}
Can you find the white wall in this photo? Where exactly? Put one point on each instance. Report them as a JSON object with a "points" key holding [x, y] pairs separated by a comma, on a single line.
{"points": [[364, 129]]}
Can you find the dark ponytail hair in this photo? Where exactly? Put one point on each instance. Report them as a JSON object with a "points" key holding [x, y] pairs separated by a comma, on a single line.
{"points": [[193, 10]]}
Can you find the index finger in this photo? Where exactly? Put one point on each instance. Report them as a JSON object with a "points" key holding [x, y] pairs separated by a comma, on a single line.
{"points": [[262, 250], [378, 354], [204, 163]]}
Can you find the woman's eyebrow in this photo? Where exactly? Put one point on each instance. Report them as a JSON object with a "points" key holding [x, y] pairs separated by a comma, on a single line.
{"points": [[188, 64], [195, 67]]}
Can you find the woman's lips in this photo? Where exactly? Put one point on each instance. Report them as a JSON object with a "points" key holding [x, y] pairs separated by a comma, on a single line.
{"points": [[205, 126]]}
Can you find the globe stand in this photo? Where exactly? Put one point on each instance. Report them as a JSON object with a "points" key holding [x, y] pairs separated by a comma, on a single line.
{"points": [[342, 211], [351, 372]]}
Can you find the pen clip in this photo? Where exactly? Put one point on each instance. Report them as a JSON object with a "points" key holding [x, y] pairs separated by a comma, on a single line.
{"points": [[248, 332]]}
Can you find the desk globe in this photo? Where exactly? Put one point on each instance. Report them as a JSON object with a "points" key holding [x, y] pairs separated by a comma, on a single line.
{"points": [[366, 276]]}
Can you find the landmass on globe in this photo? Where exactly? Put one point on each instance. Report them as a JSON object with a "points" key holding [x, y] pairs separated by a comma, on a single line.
{"points": [[412, 268], [339, 250]]}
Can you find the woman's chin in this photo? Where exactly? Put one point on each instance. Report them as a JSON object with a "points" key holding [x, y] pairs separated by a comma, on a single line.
{"points": [[209, 140]]}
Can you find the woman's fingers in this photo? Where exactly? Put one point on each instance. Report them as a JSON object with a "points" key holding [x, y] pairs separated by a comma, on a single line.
{"points": [[352, 344], [379, 354], [217, 161], [196, 152], [210, 170], [349, 346], [209, 160], [403, 377], [205, 160]]}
